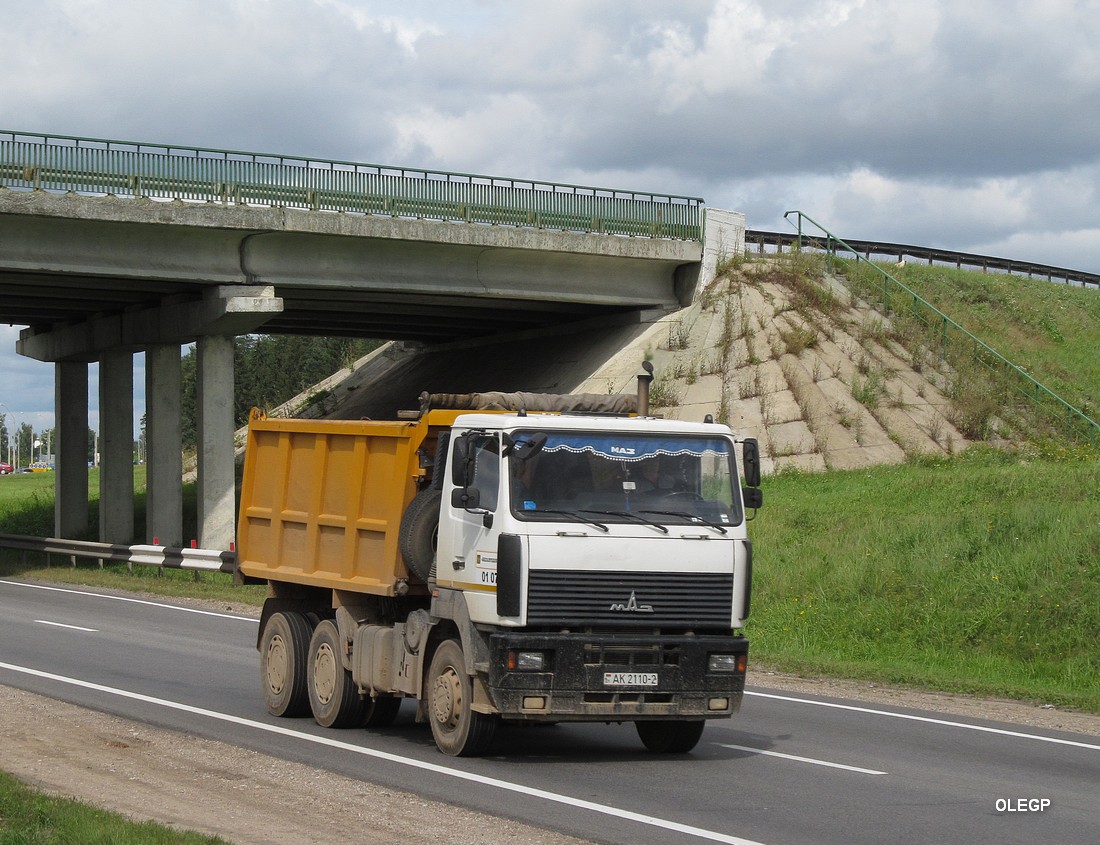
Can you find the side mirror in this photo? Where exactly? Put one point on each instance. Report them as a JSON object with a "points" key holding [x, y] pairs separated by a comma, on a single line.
{"points": [[461, 462], [751, 451], [754, 497]]}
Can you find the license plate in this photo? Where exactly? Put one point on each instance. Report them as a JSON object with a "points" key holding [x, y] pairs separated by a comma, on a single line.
{"points": [[630, 679]]}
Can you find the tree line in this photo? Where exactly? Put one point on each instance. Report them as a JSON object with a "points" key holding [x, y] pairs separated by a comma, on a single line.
{"points": [[270, 369]]}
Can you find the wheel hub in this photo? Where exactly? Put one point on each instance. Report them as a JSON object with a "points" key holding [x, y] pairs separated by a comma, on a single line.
{"points": [[277, 661], [324, 673], [447, 700]]}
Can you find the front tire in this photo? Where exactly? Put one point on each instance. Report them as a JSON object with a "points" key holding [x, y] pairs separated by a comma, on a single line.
{"points": [[333, 696], [284, 653], [670, 736], [458, 729]]}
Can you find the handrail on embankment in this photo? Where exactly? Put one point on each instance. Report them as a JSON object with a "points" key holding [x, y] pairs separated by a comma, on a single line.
{"points": [[1069, 420], [936, 256]]}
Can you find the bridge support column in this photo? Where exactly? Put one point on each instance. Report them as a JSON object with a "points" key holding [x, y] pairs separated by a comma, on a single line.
{"points": [[217, 512], [70, 514], [163, 432], [116, 446]]}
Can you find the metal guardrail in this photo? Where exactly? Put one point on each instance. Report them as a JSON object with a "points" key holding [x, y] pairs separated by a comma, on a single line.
{"points": [[932, 255], [1066, 417], [127, 168], [165, 556]]}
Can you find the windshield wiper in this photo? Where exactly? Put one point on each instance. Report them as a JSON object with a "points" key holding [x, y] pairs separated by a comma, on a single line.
{"points": [[575, 514], [690, 517], [631, 515]]}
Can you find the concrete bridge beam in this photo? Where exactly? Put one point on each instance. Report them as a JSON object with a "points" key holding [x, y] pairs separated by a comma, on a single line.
{"points": [[223, 310]]}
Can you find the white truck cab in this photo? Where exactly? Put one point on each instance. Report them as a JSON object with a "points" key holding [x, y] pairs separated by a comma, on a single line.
{"points": [[603, 565]]}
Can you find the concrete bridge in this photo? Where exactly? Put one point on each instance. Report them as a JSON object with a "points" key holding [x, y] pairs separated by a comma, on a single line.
{"points": [[108, 248]]}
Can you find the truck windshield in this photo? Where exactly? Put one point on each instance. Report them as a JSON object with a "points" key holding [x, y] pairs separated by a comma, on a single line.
{"points": [[664, 479]]}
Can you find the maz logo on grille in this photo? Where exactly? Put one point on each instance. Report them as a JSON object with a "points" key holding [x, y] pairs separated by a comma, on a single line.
{"points": [[632, 606]]}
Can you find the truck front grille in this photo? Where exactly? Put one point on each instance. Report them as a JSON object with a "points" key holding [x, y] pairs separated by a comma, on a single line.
{"points": [[636, 600]]}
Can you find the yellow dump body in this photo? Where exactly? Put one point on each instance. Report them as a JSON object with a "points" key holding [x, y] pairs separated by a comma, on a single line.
{"points": [[321, 500]]}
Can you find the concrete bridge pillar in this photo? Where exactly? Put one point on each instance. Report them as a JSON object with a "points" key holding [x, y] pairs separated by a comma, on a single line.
{"points": [[116, 447], [163, 433], [216, 499], [70, 513]]}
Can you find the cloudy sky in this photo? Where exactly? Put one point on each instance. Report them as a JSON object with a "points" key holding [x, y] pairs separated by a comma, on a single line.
{"points": [[966, 125]]}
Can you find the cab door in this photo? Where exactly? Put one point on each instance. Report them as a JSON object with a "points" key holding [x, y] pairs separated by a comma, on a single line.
{"points": [[471, 561]]}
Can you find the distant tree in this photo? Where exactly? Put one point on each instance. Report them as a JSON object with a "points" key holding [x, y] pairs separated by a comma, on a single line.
{"points": [[24, 445]]}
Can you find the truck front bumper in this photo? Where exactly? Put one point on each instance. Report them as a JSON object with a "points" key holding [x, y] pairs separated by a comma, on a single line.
{"points": [[617, 676]]}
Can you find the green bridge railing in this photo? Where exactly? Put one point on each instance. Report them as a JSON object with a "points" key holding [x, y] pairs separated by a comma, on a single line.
{"points": [[894, 298], [125, 168]]}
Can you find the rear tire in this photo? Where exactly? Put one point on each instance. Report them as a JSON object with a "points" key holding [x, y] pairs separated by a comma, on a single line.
{"points": [[284, 653], [458, 729], [670, 736], [333, 695]]}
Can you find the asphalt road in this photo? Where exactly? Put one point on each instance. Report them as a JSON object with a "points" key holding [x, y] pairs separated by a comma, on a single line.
{"points": [[788, 769]]}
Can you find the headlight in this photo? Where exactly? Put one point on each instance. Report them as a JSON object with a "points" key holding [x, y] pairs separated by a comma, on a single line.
{"points": [[526, 661], [727, 663]]}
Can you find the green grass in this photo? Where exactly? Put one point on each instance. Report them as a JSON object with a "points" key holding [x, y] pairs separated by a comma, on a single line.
{"points": [[1050, 330], [29, 817], [977, 574]]}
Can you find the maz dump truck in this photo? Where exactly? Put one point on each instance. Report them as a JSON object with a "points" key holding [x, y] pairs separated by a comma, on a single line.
{"points": [[517, 557]]}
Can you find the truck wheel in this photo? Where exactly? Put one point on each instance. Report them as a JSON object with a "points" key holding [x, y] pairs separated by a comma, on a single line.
{"points": [[284, 652], [670, 736], [458, 730], [381, 711], [333, 696], [419, 532]]}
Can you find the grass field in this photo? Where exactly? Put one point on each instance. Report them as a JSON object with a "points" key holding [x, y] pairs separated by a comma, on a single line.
{"points": [[28, 817], [976, 574]]}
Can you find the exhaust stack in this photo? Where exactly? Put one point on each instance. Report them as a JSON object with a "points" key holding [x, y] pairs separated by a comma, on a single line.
{"points": [[644, 379]]}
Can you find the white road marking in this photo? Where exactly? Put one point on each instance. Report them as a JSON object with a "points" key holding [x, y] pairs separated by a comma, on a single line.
{"points": [[131, 600], [63, 625], [929, 719], [557, 798], [801, 759]]}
